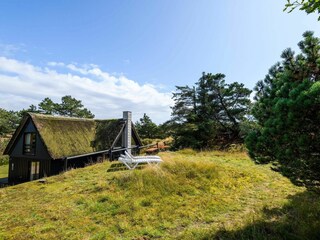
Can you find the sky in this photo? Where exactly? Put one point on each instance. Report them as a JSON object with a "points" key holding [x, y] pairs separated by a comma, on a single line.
{"points": [[119, 55]]}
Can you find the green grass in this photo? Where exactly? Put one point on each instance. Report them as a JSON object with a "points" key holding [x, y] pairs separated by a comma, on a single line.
{"points": [[3, 171], [206, 195]]}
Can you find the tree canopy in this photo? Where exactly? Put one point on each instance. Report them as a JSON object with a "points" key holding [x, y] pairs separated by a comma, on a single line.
{"points": [[146, 128], [210, 113], [8, 121], [309, 6], [287, 110], [69, 106]]}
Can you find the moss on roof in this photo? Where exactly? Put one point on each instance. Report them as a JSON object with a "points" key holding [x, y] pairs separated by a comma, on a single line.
{"points": [[65, 136], [107, 132]]}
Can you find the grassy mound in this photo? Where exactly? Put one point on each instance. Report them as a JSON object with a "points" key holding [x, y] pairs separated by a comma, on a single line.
{"points": [[208, 195]]}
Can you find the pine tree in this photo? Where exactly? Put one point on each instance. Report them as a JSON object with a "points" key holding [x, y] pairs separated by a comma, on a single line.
{"points": [[287, 110], [146, 128], [209, 114]]}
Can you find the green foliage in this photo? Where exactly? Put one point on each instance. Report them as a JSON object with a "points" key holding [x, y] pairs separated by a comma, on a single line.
{"points": [[166, 129], [8, 121], [69, 106], [47, 106], [210, 113], [4, 159], [31, 109], [148, 141], [287, 109], [106, 132], [309, 6], [73, 108], [146, 128]]}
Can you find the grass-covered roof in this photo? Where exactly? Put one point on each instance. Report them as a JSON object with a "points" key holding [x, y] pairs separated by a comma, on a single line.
{"points": [[65, 136]]}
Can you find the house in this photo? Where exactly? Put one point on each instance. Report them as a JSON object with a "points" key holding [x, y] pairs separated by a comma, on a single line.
{"points": [[45, 145]]}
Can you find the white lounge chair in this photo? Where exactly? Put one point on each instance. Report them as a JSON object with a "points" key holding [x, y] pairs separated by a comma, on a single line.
{"points": [[132, 162], [141, 157]]}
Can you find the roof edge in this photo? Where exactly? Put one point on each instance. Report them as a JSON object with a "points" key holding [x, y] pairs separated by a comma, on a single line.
{"points": [[22, 124], [32, 115]]}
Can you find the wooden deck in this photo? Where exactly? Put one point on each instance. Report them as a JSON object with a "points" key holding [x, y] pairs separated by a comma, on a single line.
{"points": [[158, 147]]}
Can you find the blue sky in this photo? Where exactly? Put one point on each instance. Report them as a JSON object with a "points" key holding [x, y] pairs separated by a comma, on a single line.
{"points": [[129, 55]]}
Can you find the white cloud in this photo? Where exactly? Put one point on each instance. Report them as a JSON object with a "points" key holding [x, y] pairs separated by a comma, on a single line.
{"points": [[10, 49], [22, 84], [77, 69], [56, 64]]}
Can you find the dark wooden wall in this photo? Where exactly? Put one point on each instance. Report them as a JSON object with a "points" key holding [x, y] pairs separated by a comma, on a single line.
{"points": [[19, 163], [57, 166], [20, 170], [41, 151]]}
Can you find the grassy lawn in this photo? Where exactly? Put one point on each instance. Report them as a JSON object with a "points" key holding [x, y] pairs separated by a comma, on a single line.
{"points": [[207, 195], [4, 171]]}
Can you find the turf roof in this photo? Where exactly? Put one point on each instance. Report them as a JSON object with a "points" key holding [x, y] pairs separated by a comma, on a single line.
{"points": [[64, 136]]}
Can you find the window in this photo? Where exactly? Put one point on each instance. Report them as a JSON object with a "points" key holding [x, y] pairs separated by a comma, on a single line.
{"points": [[29, 146], [34, 170]]}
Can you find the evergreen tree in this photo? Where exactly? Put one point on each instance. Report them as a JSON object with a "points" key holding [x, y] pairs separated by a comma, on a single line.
{"points": [[69, 107], [166, 129], [146, 128], [210, 113], [32, 109], [287, 110], [8, 121], [72, 107], [47, 106]]}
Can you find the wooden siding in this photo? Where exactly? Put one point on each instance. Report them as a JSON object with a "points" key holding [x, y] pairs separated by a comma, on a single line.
{"points": [[19, 169], [41, 151], [108, 132], [57, 166]]}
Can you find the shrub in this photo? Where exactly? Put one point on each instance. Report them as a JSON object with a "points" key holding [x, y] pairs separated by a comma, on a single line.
{"points": [[4, 160]]}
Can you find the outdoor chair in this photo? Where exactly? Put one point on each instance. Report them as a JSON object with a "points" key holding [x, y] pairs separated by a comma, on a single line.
{"points": [[141, 157], [132, 162]]}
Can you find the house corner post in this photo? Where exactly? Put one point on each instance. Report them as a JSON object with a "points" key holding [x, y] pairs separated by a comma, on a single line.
{"points": [[66, 164], [127, 135]]}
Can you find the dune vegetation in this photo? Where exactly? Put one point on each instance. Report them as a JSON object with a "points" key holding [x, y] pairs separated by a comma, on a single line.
{"points": [[3, 171], [192, 195]]}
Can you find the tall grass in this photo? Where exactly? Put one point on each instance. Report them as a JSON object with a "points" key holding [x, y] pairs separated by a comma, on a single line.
{"points": [[192, 195]]}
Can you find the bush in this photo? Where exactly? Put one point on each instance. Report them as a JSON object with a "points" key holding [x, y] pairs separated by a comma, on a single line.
{"points": [[4, 160]]}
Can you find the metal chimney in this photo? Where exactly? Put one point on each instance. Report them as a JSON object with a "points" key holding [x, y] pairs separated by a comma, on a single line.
{"points": [[126, 137]]}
